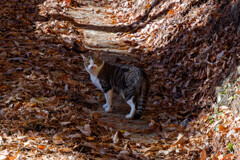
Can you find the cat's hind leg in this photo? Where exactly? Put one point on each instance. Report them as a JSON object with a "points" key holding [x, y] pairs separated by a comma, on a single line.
{"points": [[131, 103], [105, 105], [108, 105]]}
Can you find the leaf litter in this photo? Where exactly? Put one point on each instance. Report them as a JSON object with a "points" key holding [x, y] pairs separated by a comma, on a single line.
{"points": [[45, 97]]}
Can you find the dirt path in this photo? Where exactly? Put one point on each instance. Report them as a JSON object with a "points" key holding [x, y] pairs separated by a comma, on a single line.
{"points": [[49, 109], [97, 27], [93, 17]]}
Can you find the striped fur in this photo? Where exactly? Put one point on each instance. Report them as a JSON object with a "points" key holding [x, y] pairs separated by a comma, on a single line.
{"points": [[130, 82]]}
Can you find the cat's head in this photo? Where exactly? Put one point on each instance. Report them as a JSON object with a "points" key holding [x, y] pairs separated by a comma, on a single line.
{"points": [[92, 64]]}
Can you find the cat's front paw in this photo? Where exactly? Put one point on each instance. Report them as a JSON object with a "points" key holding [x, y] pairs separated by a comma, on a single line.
{"points": [[108, 109], [129, 116], [105, 105]]}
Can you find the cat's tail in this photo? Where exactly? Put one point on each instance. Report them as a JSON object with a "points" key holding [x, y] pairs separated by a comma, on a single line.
{"points": [[143, 96]]}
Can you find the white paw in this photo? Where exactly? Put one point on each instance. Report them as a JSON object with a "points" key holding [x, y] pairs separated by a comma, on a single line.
{"points": [[129, 116], [105, 105], [108, 109]]}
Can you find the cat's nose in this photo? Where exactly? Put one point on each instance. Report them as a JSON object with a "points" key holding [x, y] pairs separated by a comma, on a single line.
{"points": [[93, 67]]}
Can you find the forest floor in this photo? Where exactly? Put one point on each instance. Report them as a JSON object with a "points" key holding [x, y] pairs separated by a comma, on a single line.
{"points": [[51, 110]]}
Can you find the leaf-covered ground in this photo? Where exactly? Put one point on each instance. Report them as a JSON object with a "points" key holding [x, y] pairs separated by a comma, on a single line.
{"points": [[51, 110]]}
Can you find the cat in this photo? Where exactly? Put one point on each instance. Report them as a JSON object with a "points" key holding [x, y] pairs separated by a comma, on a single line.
{"points": [[130, 82]]}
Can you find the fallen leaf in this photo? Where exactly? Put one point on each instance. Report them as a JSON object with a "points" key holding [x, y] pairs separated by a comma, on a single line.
{"points": [[3, 157], [42, 147], [203, 155], [65, 123], [238, 91], [13, 157], [152, 148], [90, 138], [77, 135], [66, 150], [57, 139], [181, 139], [222, 128], [118, 136], [227, 157], [86, 130], [124, 154], [237, 129], [152, 127]]}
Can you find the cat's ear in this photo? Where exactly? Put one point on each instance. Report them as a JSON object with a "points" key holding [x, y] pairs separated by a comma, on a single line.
{"points": [[98, 55], [83, 57]]}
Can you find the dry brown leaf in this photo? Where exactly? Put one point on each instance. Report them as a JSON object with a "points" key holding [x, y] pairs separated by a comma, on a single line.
{"points": [[90, 138], [203, 155], [227, 157], [42, 147], [86, 130], [57, 139], [118, 136], [124, 154], [151, 127], [77, 135], [238, 91], [222, 128], [66, 150], [152, 148], [65, 123], [181, 139], [3, 157], [13, 157], [237, 129]]}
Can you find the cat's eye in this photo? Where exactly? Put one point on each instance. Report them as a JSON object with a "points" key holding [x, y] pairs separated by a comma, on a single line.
{"points": [[87, 62]]}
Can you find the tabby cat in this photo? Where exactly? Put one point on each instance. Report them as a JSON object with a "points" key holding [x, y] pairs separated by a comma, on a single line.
{"points": [[130, 82]]}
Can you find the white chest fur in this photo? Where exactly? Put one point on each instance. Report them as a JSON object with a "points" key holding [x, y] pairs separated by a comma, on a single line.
{"points": [[96, 82]]}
